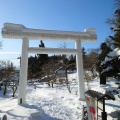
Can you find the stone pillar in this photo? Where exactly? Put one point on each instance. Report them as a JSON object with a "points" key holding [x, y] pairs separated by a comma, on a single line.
{"points": [[23, 72], [80, 74]]}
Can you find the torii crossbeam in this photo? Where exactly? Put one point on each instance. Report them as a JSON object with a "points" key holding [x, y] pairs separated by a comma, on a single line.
{"points": [[18, 31]]}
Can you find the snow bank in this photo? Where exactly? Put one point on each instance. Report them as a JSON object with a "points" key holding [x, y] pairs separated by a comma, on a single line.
{"points": [[72, 77], [104, 88]]}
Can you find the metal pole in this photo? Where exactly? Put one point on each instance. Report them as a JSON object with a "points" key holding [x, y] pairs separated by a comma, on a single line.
{"points": [[104, 114], [97, 109]]}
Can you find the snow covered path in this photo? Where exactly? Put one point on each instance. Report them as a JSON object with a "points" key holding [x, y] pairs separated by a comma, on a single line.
{"points": [[43, 103], [46, 103], [56, 102]]}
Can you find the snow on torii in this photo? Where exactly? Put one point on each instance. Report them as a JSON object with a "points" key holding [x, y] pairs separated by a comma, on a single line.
{"points": [[18, 31]]}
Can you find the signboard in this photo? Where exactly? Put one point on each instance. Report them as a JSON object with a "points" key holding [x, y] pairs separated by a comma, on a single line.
{"points": [[91, 107], [100, 105]]}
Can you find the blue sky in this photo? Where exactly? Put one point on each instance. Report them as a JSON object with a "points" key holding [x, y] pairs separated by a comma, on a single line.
{"points": [[67, 15]]}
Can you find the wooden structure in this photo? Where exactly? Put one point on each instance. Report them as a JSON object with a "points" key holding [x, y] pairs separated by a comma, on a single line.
{"points": [[100, 98]]}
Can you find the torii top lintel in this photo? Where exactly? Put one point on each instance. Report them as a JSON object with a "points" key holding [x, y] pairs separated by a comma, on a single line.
{"points": [[18, 31]]}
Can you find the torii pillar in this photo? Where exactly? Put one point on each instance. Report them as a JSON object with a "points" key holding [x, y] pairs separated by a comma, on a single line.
{"points": [[18, 31]]}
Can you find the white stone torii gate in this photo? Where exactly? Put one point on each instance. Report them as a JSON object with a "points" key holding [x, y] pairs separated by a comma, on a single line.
{"points": [[18, 31]]}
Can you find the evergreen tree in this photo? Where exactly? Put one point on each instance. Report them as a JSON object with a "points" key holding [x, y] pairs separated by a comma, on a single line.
{"points": [[72, 62], [115, 25], [112, 67], [35, 63], [104, 50], [32, 67], [84, 57], [83, 53], [116, 29]]}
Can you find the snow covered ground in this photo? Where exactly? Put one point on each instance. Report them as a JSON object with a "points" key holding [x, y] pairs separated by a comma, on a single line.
{"points": [[43, 103], [46, 103]]}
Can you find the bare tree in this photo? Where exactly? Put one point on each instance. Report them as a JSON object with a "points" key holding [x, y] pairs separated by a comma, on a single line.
{"points": [[48, 70], [66, 63], [64, 45], [14, 87], [91, 60], [7, 70]]}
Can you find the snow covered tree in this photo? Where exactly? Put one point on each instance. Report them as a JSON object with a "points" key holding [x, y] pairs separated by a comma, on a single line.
{"points": [[104, 50], [110, 65]]}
